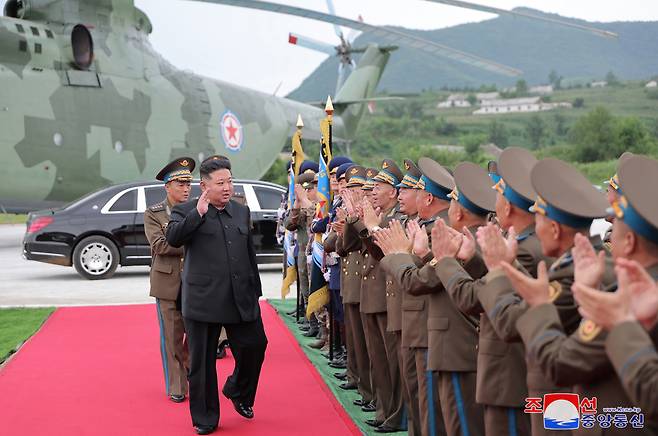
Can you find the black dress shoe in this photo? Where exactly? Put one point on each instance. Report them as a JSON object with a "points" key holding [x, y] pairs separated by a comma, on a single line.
{"points": [[310, 333], [304, 327], [340, 375], [340, 364], [349, 386], [359, 402], [386, 429], [243, 409], [369, 408], [373, 422], [177, 398], [204, 429]]}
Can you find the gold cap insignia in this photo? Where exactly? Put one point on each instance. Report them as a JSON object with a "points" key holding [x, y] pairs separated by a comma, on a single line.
{"points": [[184, 162], [406, 166], [354, 171], [385, 165]]}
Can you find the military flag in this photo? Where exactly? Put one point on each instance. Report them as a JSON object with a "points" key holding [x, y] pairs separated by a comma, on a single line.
{"points": [[291, 249], [319, 291]]}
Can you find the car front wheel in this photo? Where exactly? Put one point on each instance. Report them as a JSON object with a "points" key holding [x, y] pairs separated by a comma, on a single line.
{"points": [[96, 258]]}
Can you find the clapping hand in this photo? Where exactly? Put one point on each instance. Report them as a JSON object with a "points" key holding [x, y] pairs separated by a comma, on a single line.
{"points": [[495, 248], [445, 241], [588, 265], [418, 234], [636, 298], [371, 218], [534, 291], [393, 240]]}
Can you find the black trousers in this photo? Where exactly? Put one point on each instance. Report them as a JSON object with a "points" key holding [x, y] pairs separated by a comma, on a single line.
{"points": [[247, 341]]}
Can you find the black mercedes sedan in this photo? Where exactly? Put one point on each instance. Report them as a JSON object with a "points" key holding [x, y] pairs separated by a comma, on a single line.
{"points": [[104, 229]]}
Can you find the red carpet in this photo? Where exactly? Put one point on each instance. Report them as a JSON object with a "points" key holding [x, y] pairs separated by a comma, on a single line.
{"points": [[97, 371]]}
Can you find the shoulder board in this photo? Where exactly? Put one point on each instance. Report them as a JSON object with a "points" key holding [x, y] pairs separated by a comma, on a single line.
{"points": [[564, 261], [157, 207]]}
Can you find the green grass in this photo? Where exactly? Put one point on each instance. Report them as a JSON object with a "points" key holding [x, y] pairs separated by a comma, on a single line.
{"points": [[17, 325], [327, 373], [11, 218]]}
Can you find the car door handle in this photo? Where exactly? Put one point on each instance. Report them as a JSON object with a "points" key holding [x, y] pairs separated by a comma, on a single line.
{"points": [[269, 217]]}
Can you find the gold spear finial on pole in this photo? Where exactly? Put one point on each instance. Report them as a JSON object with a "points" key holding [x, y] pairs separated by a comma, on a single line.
{"points": [[300, 123], [329, 107]]}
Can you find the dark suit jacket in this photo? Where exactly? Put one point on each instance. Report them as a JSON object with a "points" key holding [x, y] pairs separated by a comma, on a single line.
{"points": [[220, 280]]}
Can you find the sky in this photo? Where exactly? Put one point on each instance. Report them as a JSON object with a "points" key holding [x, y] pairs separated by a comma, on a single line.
{"points": [[250, 47]]}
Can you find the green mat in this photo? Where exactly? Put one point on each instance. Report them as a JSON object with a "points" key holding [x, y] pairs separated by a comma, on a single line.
{"points": [[315, 356]]}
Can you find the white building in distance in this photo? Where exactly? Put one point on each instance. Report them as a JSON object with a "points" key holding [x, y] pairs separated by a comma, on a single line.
{"points": [[461, 100], [516, 105], [651, 84]]}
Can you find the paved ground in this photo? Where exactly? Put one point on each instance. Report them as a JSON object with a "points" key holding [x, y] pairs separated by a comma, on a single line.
{"points": [[28, 283]]}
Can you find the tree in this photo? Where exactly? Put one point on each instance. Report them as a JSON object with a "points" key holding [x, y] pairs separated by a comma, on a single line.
{"points": [[578, 102], [472, 99], [555, 79], [472, 142], [594, 136], [521, 87], [415, 109], [498, 134], [612, 79], [560, 122], [632, 135], [536, 131]]}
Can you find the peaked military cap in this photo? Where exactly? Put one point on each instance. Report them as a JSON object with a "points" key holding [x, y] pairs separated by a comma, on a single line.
{"points": [[221, 157], [370, 179], [390, 173], [340, 172], [337, 161], [305, 179], [637, 205], [513, 168], [435, 179], [309, 165], [355, 176], [178, 169], [412, 175], [565, 195], [473, 189], [613, 181]]}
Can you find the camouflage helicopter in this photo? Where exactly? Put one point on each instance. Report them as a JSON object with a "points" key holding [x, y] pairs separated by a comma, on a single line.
{"points": [[85, 100]]}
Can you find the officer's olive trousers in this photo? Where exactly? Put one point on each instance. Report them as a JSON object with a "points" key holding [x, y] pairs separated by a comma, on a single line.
{"points": [[506, 421], [358, 364], [461, 414], [173, 347], [383, 349]]}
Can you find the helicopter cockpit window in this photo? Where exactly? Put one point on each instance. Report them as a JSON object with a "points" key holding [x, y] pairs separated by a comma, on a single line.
{"points": [[83, 47]]}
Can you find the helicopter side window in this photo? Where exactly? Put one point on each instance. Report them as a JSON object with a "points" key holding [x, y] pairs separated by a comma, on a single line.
{"points": [[83, 47]]}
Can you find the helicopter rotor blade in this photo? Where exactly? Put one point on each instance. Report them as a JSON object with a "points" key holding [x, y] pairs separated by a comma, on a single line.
{"points": [[310, 43]]}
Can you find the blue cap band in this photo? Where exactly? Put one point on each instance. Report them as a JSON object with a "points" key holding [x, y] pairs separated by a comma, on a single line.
{"points": [[624, 211], [562, 217], [468, 204], [433, 188], [511, 195], [495, 177]]}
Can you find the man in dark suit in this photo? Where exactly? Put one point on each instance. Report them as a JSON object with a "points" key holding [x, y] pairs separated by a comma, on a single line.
{"points": [[220, 287]]}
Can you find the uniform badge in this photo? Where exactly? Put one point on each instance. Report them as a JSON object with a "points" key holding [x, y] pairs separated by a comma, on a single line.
{"points": [[231, 130], [554, 290], [588, 330]]}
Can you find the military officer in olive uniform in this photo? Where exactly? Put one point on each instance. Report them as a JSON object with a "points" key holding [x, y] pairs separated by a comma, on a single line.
{"points": [[166, 266], [630, 315], [579, 358], [501, 364], [382, 345], [566, 205]]}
